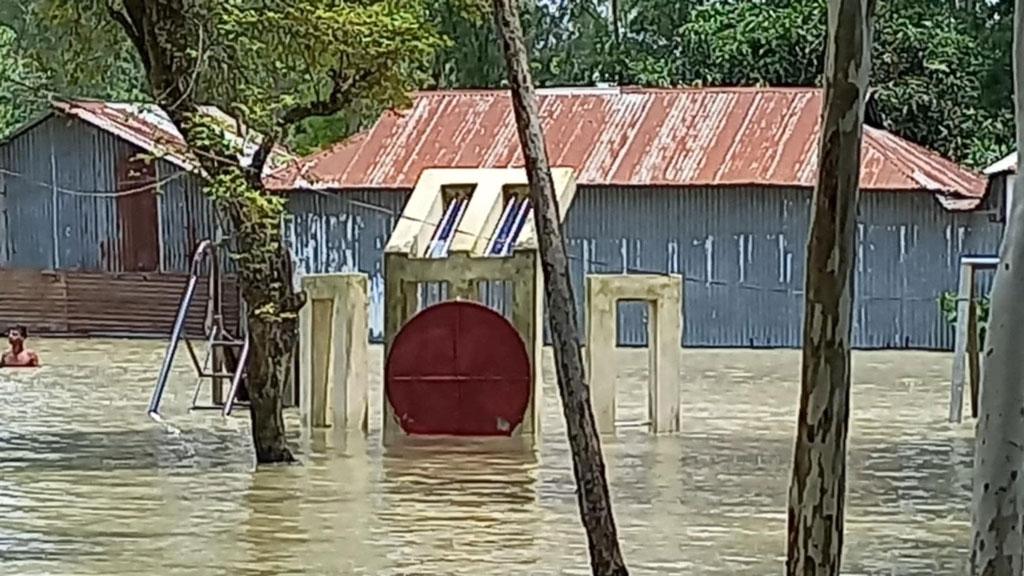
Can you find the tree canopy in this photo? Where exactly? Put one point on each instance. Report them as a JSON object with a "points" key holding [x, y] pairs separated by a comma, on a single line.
{"points": [[941, 69], [267, 66]]}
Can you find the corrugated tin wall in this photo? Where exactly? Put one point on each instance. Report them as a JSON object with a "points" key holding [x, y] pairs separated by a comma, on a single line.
{"points": [[28, 183], [741, 251], [86, 229], [332, 233], [187, 217]]}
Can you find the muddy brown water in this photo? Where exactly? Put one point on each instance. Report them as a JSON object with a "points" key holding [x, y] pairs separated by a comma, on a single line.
{"points": [[89, 485]]}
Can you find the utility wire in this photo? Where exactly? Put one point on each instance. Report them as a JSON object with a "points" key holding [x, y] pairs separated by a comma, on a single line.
{"points": [[155, 185]]}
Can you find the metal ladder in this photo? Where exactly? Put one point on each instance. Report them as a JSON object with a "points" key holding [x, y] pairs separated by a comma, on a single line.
{"points": [[220, 341]]}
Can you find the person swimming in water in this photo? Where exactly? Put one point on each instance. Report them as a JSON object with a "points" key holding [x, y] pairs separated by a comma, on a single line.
{"points": [[18, 356]]}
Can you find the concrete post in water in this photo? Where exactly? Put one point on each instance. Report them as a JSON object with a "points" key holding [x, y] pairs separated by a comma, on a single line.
{"points": [[966, 353], [964, 302], [664, 296], [334, 348]]}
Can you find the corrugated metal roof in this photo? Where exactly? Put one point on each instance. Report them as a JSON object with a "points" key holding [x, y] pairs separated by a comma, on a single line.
{"points": [[1006, 165], [149, 128], [626, 137]]}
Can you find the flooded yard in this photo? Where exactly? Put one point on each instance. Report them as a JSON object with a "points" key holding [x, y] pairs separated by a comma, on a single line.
{"points": [[89, 485]]}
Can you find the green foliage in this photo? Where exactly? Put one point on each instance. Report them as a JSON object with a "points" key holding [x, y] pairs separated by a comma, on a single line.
{"points": [[254, 60], [472, 58], [753, 43], [930, 63], [299, 51], [17, 104], [37, 62], [929, 67], [948, 306], [312, 134]]}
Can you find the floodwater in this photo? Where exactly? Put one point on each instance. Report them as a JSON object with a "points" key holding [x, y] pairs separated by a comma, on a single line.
{"points": [[90, 486]]}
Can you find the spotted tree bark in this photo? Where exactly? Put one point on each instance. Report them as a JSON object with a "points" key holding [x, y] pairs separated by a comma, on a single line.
{"points": [[818, 485], [998, 501], [585, 443]]}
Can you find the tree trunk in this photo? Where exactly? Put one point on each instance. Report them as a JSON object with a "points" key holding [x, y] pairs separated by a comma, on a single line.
{"points": [[272, 347], [588, 463], [998, 500], [818, 485], [265, 275], [273, 338]]}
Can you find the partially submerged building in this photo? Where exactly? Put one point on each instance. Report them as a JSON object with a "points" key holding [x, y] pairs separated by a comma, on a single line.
{"points": [[713, 184]]}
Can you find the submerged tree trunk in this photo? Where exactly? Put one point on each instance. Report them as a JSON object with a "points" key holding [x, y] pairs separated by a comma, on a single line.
{"points": [[818, 485], [998, 501], [588, 462], [265, 272], [273, 346]]}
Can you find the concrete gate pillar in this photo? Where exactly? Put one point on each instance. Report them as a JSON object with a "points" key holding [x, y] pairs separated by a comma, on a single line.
{"points": [[664, 295], [334, 349]]}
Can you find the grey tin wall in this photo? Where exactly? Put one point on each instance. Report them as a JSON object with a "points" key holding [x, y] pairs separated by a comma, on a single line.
{"points": [[29, 196], [737, 249], [81, 160], [345, 233], [61, 209], [742, 254], [69, 165], [187, 217], [741, 251]]}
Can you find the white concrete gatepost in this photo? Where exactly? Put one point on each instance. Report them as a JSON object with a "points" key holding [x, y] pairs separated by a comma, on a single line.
{"points": [[664, 295], [334, 350]]}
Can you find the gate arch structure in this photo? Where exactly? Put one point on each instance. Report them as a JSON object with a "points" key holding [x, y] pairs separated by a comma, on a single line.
{"points": [[459, 368]]}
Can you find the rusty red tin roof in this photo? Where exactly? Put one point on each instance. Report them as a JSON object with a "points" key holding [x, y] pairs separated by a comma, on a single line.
{"points": [[625, 136], [149, 128]]}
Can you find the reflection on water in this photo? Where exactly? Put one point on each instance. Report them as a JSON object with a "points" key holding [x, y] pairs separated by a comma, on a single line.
{"points": [[89, 485]]}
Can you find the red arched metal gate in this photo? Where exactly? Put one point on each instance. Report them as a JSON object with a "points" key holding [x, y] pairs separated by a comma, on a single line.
{"points": [[458, 368]]}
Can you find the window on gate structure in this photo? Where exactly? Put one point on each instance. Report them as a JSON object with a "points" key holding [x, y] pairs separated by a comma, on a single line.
{"points": [[139, 241]]}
